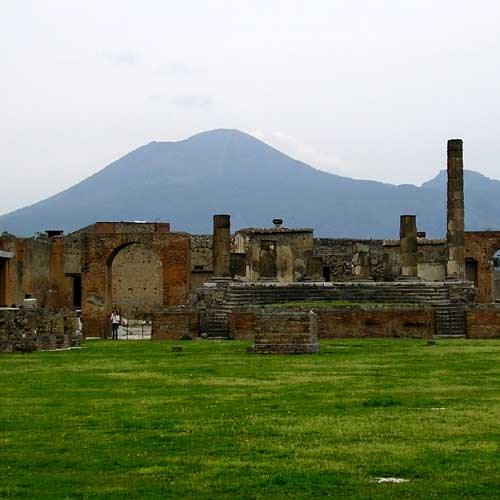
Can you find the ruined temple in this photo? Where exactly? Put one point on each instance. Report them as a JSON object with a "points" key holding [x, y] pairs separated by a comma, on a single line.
{"points": [[207, 285]]}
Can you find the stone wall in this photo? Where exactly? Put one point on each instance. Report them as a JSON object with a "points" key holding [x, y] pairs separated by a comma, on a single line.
{"points": [[175, 324], [23, 330], [278, 254], [201, 259], [483, 322], [338, 255], [431, 260]]}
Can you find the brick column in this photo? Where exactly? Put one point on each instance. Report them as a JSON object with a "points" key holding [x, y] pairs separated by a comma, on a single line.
{"points": [[221, 246], [455, 228], [408, 246]]}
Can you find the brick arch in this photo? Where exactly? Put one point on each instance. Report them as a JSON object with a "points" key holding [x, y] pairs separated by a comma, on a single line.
{"points": [[100, 246], [139, 301]]}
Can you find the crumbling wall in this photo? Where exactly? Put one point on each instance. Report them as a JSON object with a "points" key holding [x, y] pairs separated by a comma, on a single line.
{"points": [[292, 248], [23, 330], [338, 255], [28, 271], [73, 254], [431, 260], [480, 246], [201, 259]]}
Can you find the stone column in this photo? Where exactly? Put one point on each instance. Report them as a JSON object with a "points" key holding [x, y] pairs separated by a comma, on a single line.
{"points": [[408, 246], [221, 246], [455, 228]]}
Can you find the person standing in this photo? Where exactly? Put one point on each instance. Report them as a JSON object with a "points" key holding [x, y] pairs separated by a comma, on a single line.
{"points": [[115, 323]]}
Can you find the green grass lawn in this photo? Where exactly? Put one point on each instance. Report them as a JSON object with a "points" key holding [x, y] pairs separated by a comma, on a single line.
{"points": [[136, 420]]}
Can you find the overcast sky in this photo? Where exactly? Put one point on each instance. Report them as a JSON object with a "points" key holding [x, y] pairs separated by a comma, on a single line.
{"points": [[369, 89]]}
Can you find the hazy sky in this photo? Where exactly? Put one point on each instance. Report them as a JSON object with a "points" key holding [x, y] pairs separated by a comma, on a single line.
{"points": [[369, 89]]}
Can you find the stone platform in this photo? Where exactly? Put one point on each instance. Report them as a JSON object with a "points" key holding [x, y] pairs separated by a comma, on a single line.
{"points": [[286, 333]]}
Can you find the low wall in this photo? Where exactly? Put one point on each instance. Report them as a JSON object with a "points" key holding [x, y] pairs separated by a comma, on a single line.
{"points": [[175, 324], [417, 322], [483, 322], [376, 323], [24, 330], [286, 333], [242, 324]]}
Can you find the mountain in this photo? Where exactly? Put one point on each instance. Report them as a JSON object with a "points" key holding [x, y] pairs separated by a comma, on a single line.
{"points": [[227, 171]]}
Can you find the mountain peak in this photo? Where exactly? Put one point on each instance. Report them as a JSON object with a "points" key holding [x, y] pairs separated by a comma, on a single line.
{"points": [[472, 180], [229, 171]]}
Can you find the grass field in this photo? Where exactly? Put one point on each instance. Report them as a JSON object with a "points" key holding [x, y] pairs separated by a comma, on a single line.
{"points": [[136, 420]]}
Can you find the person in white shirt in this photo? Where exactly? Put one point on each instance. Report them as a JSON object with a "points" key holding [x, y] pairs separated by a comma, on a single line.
{"points": [[115, 323]]}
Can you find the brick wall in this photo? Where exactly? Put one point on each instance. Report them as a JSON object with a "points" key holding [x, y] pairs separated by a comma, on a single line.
{"points": [[483, 322], [375, 323], [27, 272], [175, 324], [101, 248], [285, 332], [137, 287], [417, 322], [29, 330], [242, 324]]}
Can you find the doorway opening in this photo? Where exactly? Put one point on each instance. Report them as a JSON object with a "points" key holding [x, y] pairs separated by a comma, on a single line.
{"points": [[77, 291], [327, 273], [135, 288], [471, 271], [268, 268]]}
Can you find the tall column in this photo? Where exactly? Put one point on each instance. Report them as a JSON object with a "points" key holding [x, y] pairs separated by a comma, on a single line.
{"points": [[455, 228], [221, 246], [408, 246]]}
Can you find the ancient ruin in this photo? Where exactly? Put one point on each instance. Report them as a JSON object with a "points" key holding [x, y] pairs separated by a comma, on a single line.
{"points": [[218, 286]]}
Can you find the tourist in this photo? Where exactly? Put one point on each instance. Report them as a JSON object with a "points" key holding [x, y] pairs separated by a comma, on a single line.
{"points": [[115, 323]]}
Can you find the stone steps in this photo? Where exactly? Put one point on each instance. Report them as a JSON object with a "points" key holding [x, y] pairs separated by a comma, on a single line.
{"points": [[450, 321], [416, 293]]}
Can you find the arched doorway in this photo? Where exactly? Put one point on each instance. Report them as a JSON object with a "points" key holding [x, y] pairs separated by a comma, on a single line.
{"points": [[135, 288], [496, 275]]}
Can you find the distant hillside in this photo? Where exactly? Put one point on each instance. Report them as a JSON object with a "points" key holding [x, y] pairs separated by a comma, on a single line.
{"points": [[227, 171]]}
